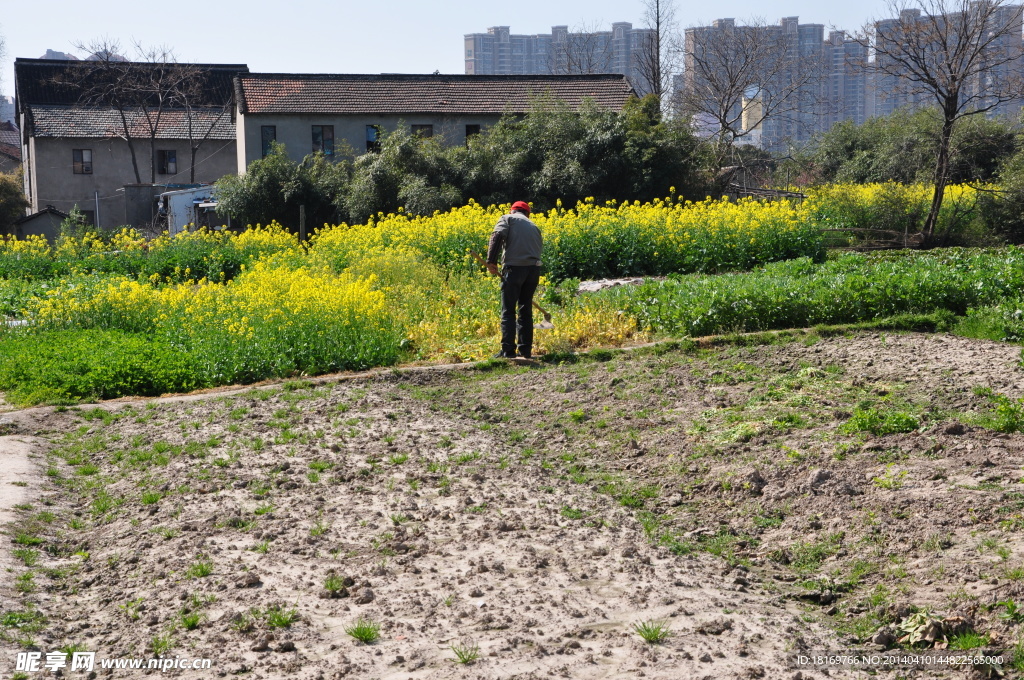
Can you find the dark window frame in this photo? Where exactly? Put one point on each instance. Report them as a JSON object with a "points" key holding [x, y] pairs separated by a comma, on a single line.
{"points": [[81, 161], [265, 140], [373, 133], [326, 139], [422, 130], [167, 161]]}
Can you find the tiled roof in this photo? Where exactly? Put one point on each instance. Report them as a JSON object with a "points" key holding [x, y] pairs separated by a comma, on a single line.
{"points": [[48, 209], [11, 151], [9, 134], [56, 81], [405, 94], [80, 121]]}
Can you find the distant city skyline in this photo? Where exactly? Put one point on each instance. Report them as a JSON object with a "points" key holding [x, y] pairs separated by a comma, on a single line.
{"points": [[321, 37]]}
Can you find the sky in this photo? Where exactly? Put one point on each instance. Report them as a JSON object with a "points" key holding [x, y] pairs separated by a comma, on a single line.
{"points": [[382, 36]]}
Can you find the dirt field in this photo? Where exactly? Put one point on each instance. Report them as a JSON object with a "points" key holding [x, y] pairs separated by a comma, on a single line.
{"points": [[532, 516]]}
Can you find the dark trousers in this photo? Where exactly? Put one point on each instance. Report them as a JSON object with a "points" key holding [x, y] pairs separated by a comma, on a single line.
{"points": [[518, 285]]}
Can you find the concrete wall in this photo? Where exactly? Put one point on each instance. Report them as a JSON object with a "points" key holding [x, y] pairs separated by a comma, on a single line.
{"points": [[8, 164], [46, 224], [295, 131], [140, 207], [50, 178]]}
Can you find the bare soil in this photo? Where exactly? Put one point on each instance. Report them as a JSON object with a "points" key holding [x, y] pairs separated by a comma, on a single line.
{"points": [[536, 514]]}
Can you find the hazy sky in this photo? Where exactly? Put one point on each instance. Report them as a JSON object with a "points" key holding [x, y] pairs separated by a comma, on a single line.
{"points": [[309, 36]]}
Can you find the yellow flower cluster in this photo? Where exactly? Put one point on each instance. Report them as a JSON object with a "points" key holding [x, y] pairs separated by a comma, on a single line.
{"points": [[268, 299], [357, 290], [593, 241], [887, 206], [34, 246]]}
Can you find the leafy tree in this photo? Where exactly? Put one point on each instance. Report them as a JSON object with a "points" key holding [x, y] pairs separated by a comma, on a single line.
{"points": [[1002, 209], [554, 153], [408, 171], [274, 187], [12, 201], [550, 154], [952, 52], [902, 148]]}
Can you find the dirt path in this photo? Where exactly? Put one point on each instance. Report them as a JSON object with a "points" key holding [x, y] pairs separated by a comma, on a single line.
{"points": [[534, 516], [20, 483], [19, 477]]}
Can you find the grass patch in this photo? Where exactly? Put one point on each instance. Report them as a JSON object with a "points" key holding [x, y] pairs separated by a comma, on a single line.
{"points": [[363, 630], [465, 652], [881, 420], [652, 632], [199, 569]]}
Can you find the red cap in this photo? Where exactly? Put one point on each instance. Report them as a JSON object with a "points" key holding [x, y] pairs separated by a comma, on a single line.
{"points": [[521, 205]]}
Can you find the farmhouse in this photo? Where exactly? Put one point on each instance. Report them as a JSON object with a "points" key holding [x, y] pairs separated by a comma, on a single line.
{"points": [[339, 113], [87, 131]]}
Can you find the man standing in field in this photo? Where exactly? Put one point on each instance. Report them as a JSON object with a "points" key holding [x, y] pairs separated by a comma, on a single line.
{"points": [[520, 239]]}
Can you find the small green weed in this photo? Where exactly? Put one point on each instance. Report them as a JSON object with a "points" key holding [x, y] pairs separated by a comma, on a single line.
{"points": [[364, 630], [572, 513], [880, 421], [199, 569], [968, 640], [191, 620], [1012, 611], [28, 556], [891, 479], [161, 644], [334, 583], [278, 617], [652, 632], [465, 652]]}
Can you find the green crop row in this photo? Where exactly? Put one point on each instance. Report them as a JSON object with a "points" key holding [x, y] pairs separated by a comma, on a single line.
{"points": [[850, 288]]}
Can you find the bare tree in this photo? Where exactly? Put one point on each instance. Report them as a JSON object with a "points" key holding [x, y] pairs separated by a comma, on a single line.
{"points": [[149, 95], [962, 55], [107, 80], [160, 81], [738, 77], [657, 56], [584, 49], [200, 118]]}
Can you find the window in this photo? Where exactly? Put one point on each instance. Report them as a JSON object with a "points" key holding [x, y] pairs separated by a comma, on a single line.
{"points": [[90, 216], [268, 135], [373, 137], [82, 161], [323, 139], [167, 161], [423, 130], [472, 130]]}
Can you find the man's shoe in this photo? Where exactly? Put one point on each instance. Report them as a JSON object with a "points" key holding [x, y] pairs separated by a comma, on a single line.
{"points": [[502, 355]]}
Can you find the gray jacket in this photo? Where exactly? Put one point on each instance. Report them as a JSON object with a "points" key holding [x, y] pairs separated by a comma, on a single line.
{"points": [[521, 240]]}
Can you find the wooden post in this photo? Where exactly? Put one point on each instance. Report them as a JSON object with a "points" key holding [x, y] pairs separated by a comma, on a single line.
{"points": [[302, 223]]}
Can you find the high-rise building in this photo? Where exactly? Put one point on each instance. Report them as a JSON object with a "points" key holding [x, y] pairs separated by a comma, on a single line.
{"points": [[7, 109], [851, 84], [847, 79], [500, 52], [797, 81], [889, 91]]}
